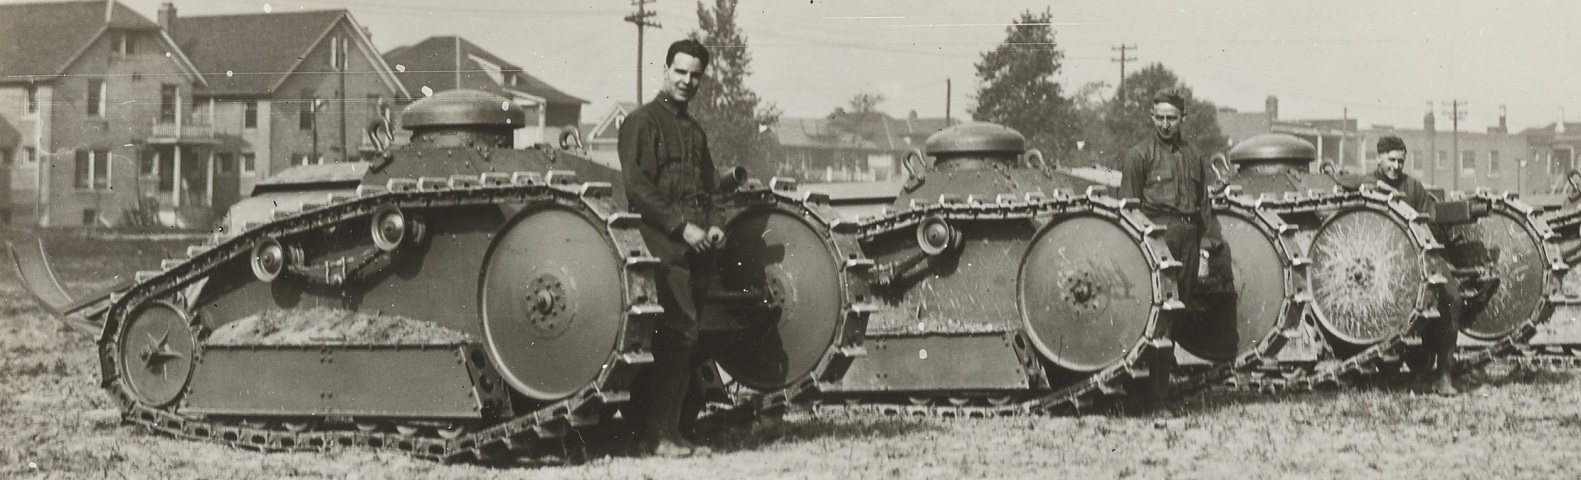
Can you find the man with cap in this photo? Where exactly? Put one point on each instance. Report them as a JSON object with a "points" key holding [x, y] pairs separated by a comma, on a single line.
{"points": [[1438, 339], [1171, 178], [670, 181]]}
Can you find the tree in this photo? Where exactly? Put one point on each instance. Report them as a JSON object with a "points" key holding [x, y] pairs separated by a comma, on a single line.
{"points": [[855, 124], [734, 116], [1127, 121], [1018, 89]]}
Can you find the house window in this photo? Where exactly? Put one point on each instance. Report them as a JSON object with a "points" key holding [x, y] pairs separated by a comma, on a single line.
{"points": [[123, 44], [137, 77], [1440, 158], [299, 159], [5, 157], [96, 102], [32, 99], [29, 155], [1493, 163], [93, 169], [250, 114], [1468, 162], [225, 163], [249, 163], [146, 165], [304, 118], [90, 216], [167, 103]]}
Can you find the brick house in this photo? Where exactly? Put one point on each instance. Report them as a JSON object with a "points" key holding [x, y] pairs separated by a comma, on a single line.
{"points": [[86, 89], [451, 62], [284, 89]]}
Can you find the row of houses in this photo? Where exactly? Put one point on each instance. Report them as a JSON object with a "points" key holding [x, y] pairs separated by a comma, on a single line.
{"points": [[110, 118]]}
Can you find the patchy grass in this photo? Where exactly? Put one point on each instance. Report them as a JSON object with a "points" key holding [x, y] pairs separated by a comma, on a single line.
{"points": [[55, 422]]}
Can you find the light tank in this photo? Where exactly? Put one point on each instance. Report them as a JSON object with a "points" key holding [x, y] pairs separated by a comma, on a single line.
{"points": [[456, 299], [1353, 273], [1009, 287]]}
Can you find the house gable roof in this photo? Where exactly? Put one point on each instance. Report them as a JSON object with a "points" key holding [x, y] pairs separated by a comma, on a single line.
{"points": [[607, 127], [251, 54], [433, 63], [39, 40]]}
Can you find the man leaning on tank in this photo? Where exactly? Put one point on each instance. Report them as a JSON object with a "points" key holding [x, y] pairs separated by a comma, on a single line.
{"points": [[1171, 179], [669, 178], [1439, 337]]}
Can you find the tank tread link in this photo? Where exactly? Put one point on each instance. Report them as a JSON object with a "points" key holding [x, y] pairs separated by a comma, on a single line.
{"points": [[1143, 366], [530, 433]]}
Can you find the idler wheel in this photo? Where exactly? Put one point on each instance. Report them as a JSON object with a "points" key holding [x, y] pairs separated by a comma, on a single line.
{"points": [[1085, 292], [935, 235], [1260, 293], [269, 258], [156, 350], [1514, 255], [390, 228], [1366, 276], [780, 254], [552, 302]]}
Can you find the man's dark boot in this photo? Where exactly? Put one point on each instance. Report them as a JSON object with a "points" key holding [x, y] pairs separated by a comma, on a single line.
{"points": [[668, 383]]}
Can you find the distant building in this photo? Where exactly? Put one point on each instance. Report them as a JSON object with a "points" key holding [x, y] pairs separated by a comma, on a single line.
{"points": [[88, 91], [284, 89], [602, 138], [1493, 160], [1553, 154], [451, 62], [871, 148]]}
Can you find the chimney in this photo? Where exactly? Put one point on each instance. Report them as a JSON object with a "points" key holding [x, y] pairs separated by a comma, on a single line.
{"points": [[1428, 122], [1271, 107], [167, 18]]}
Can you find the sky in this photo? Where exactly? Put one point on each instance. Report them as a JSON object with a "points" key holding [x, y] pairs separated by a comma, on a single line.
{"points": [[1386, 62]]}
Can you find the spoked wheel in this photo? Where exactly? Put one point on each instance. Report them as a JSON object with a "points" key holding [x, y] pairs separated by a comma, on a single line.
{"points": [[551, 295], [789, 263], [1502, 242], [157, 353], [1367, 276], [1086, 293]]}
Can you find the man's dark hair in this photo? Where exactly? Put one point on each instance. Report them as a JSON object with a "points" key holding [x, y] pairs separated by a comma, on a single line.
{"points": [[689, 47], [1390, 143], [1169, 97]]}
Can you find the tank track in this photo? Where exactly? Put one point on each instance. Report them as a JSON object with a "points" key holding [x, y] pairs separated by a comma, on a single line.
{"points": [[1543, 229], [841, 238], [1265, 354], [1149, 360], [1385, 356], [528, 433]]}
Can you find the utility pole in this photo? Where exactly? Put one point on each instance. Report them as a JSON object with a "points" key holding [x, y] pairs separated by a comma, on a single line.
{"points": [[947, 87], [643, 19], [1123, 58], [1456, 112]]}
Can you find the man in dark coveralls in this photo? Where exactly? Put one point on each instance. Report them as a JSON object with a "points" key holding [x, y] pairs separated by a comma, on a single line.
{"points": [[670, 181], [1439, 337], [1171, 178]]}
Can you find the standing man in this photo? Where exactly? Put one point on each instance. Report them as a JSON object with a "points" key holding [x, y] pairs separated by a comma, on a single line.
{"points": [[1438, 338], [670, 181], [1171, 179]]}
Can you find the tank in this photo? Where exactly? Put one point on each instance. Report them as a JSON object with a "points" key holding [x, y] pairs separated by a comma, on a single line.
{"points": [[1356, 272], [1558, 341], [511, 285], [1007, 286]]}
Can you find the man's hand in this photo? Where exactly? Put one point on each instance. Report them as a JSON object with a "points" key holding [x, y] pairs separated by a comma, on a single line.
{"points": [[716, 238], [1386, 187], [695, 237]]}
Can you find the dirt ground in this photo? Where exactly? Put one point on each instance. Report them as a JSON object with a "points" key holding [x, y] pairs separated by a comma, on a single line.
{"points": [[56, 423]]}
